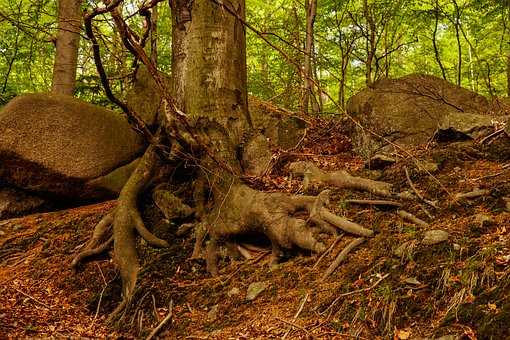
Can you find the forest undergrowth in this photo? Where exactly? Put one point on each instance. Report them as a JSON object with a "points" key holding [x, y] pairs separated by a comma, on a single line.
{"points": [[394, 285]]}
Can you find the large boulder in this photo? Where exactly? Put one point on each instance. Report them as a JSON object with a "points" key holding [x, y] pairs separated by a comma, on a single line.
{"points": [[63, 147], [414, 108]]}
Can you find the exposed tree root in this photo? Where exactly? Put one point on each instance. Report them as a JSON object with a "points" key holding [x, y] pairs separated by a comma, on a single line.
{"points": [[273, 214], [341, 179], [126, 222], [472, 194]]}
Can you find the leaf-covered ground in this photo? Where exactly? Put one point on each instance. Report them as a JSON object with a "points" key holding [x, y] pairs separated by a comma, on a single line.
{"points": [[392, 286]]}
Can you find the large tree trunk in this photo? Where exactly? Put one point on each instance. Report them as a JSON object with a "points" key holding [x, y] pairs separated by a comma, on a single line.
{"points": [[67, 43]]}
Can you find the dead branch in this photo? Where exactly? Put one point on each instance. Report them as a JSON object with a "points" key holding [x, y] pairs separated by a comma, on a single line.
{"points": [[472, 194], [300, 309], [162, 324], [342, 256], [411, 218], [411, 185], [374, 202], [355, 292]]}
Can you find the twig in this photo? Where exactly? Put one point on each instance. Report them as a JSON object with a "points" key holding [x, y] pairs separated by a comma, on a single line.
{"points": [[355, 292], [411, 185], [300, 309], [156, 330], [343, 254], [472, 194], [327, 251], [32, 298], [374, 202], [292, 324], [410, 217]]}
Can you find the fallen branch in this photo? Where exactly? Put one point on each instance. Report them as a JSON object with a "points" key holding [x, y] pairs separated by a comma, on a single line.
{"points": [[162, 324], [293, 325], [342, 256], [300, 309], [374, 202], [410, 217], [472, 194], [355, 292], [327, 251], [32, 298], [417, 193]]}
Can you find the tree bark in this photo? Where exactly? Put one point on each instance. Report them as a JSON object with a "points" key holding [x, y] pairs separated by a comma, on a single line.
{"points": [[67, 43], [370, 43]]}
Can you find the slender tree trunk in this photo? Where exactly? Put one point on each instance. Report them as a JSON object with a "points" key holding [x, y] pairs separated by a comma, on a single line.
{"points": [[311, 12], [154, 35], [508, 75], [459, 45], [67, 43], [370, 44], [434, 42]]}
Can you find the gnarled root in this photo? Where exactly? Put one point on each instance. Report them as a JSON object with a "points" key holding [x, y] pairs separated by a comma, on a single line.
{"points": [[125, 221], [245, 210], [341, 179]]}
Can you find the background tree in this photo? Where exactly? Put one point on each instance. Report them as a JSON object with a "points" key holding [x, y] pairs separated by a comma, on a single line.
{"points": [[67, 44]]}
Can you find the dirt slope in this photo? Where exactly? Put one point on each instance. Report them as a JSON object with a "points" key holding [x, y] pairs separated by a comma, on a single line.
{"points": [[459, 287]]}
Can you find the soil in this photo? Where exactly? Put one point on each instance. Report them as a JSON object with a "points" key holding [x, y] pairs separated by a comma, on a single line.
{"points": [[460, 287]]}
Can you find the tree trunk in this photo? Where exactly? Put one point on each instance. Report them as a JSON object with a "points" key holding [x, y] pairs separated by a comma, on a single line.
{"points": [[370, 43], [459, 45], [434, 42], [508, 75], [311, 12], [67, 43]]}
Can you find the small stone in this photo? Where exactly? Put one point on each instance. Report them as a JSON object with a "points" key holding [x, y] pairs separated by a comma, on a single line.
{"points": [[233, 292], [255, 289], [412, 281], [448, 337], [456, 246], [427, 167], [483, 220], [2, 233], [380, 161], [212, 315], [435, 237]]}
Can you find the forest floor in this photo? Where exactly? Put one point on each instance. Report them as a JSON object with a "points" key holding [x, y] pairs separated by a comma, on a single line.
{"points": [[391, 287]]}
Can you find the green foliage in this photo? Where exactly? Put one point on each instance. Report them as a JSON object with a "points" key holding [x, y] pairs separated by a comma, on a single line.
{"points": [[403, 44]]}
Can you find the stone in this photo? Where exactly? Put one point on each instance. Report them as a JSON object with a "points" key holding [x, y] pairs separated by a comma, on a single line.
{"points": [[55, 144], [433, 237], [255, 289], [233, 292], [257, 156], [14, 203], [212, 315], [483, 220], [170, 205], [411, 109]]}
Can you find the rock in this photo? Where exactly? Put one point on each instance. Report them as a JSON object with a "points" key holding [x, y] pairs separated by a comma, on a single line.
{"points": [[412, 281], [14, 203], [409, 111], [448, 337], [170, 205], [380, 161], [483, 220], [283, 128], [58, 145], [435, 237], [255, 289], [425, 167], [212, 315], [257, 156], [233, 292]]}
